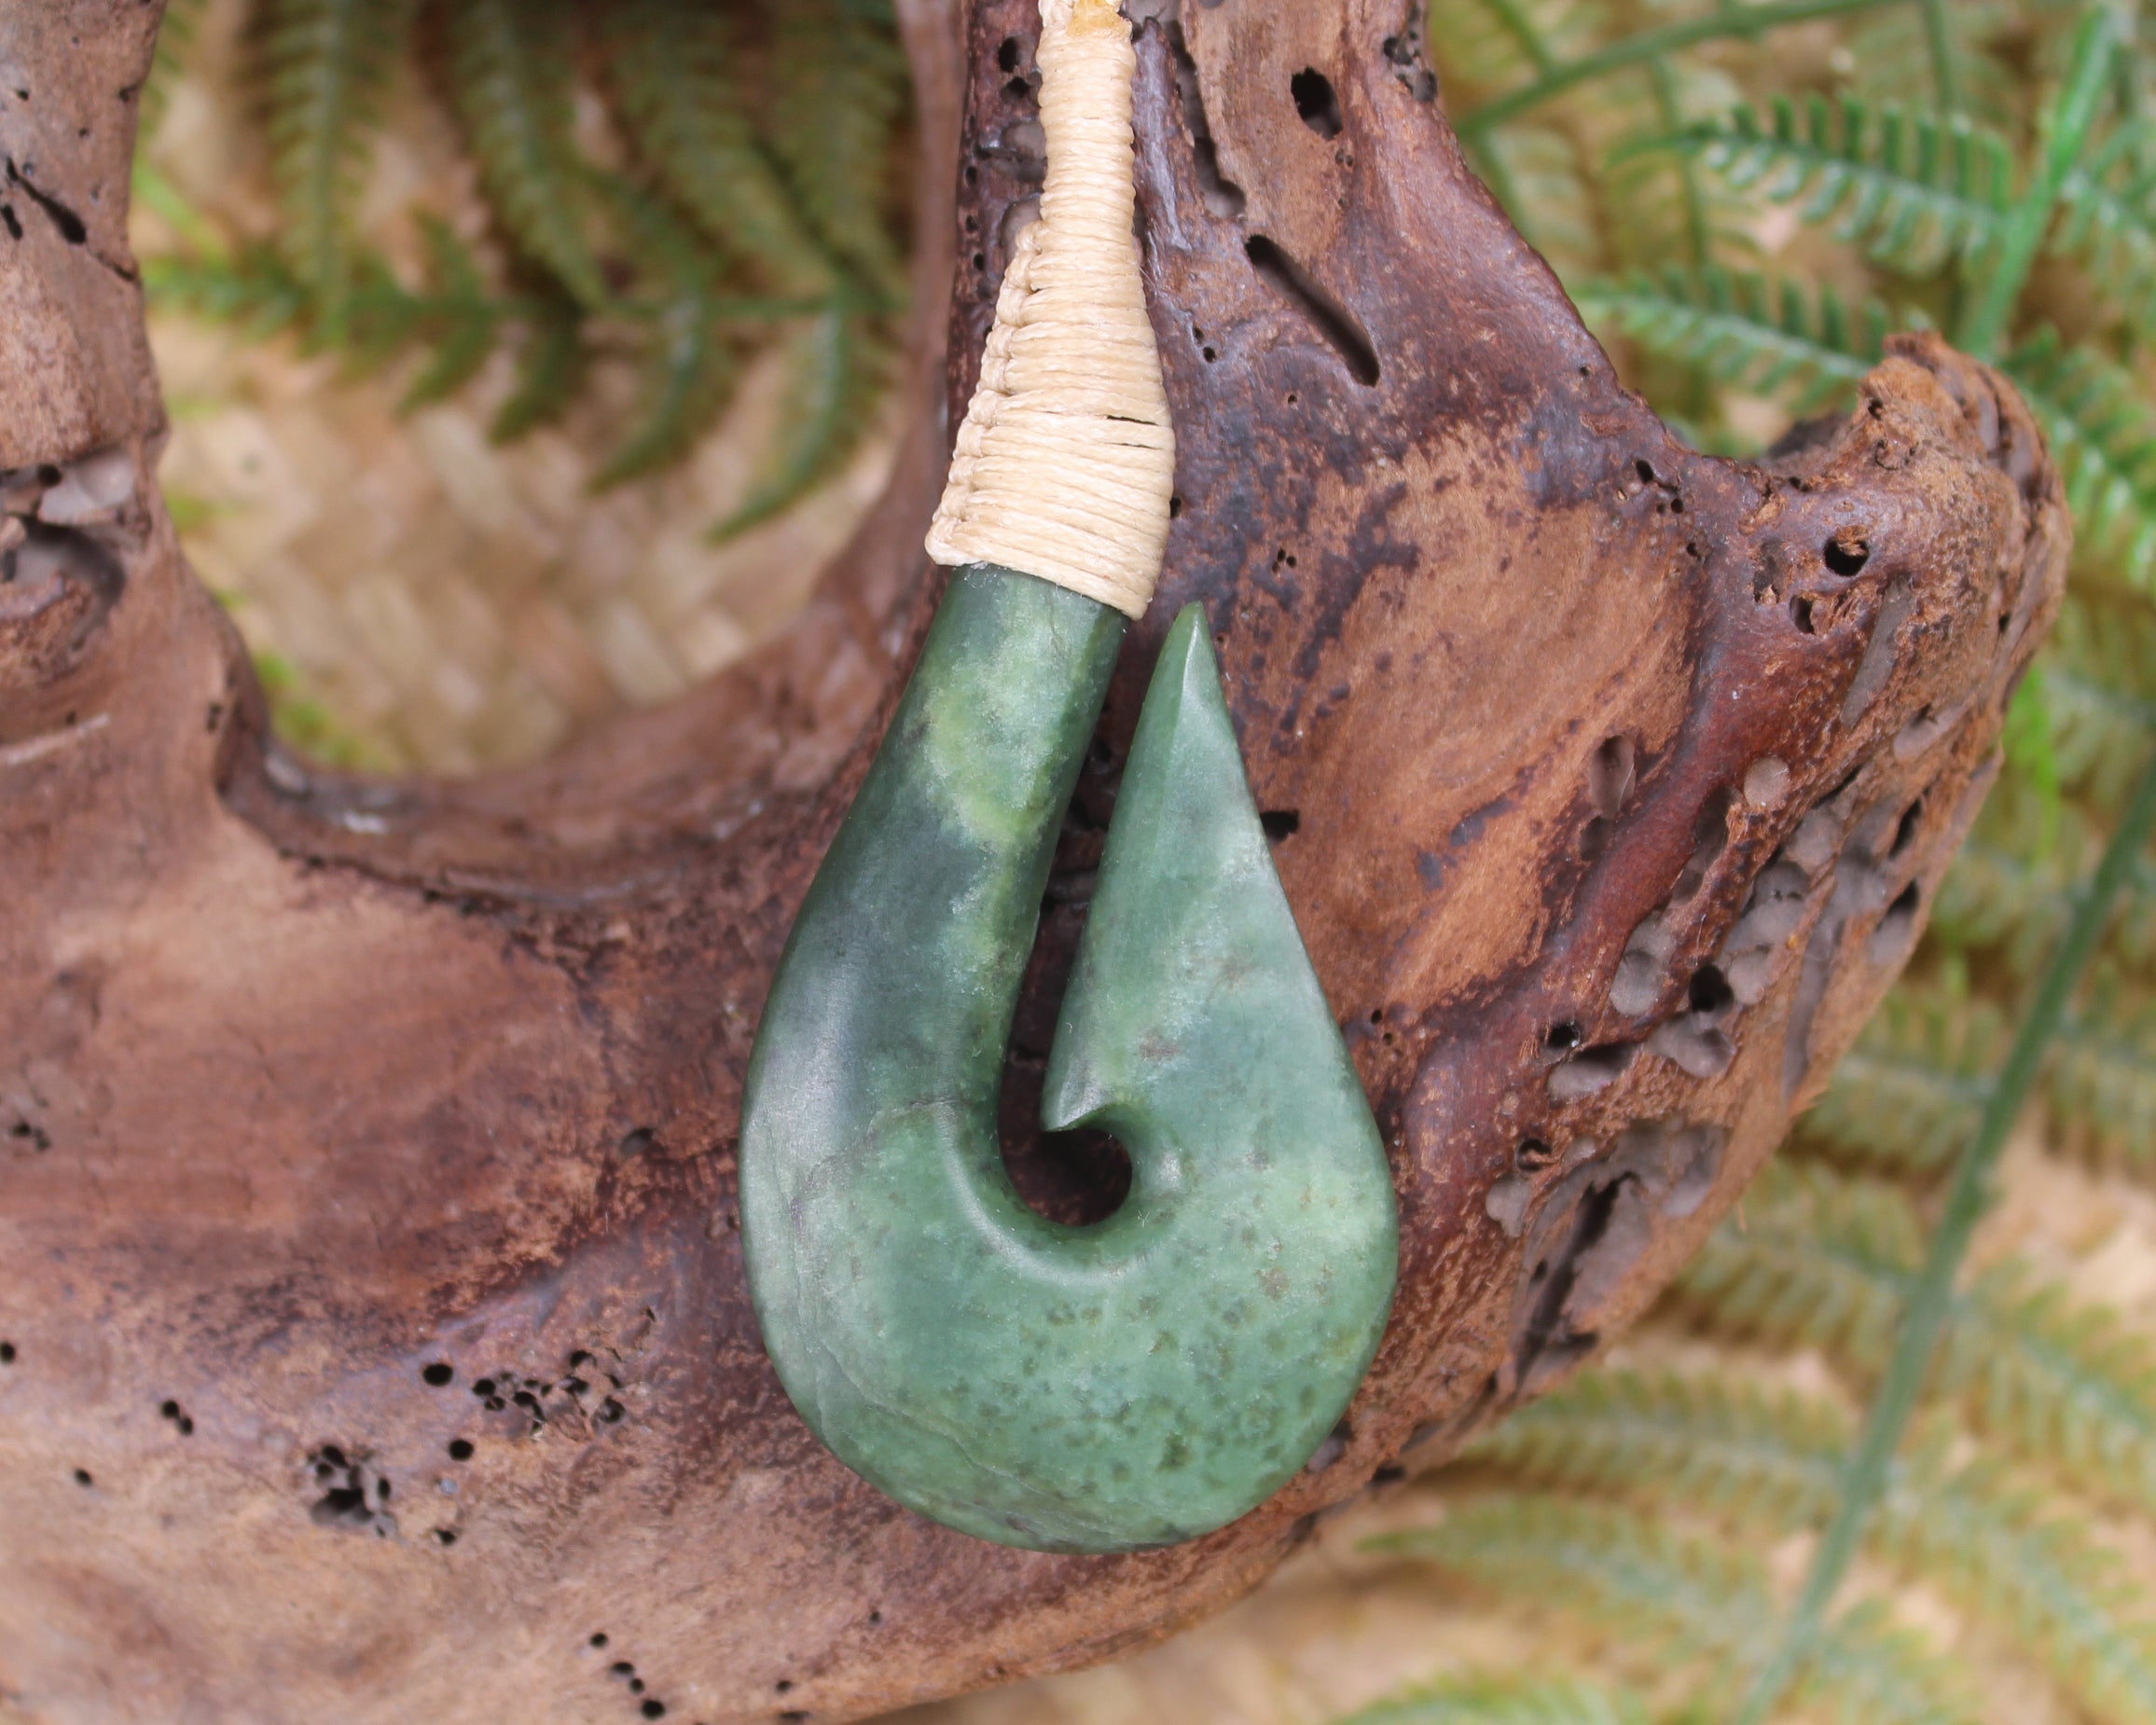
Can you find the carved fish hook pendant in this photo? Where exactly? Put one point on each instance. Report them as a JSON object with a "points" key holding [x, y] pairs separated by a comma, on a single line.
{"points": [[1154, 1375], [1104, 1388]]}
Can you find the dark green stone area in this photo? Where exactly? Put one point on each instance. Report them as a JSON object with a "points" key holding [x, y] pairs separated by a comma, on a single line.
{"points": [[1106, 1388]]}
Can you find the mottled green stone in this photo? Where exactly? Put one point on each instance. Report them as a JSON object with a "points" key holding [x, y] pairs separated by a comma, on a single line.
{"points": [[1104, 1388]]}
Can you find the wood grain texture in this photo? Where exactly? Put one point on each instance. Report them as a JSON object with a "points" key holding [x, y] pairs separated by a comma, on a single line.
{"points": [[1611, 783]]}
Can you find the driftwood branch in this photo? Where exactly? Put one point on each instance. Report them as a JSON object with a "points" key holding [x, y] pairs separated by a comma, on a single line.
{"points": [[375, 1337]]}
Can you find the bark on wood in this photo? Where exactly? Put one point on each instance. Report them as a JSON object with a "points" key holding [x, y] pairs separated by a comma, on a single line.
{"points": [[376, 1339]]}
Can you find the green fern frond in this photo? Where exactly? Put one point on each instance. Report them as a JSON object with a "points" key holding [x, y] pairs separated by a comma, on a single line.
{"points": [[828, 404], [1506, 1701], [1537, 169], [2101, 1080], [689, 365], [2017, 879], [2006, 894], [467, 321], [1676, 1598], [1818, 1261], [839, 87], [2108, 218], [1896, 52], [1675, 211], [2100, 692], [2103, 434], [1912, 190], [510, 69], [549, 365], [672, 69], [252, 288], [326, 64], [382, 318], [1490, 44], [1744, 329], [2064, 1384], [1827, 1261], [1777, 1462], [1906, 1097]]}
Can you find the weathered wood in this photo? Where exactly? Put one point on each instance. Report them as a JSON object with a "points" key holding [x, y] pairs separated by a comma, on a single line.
{"points": [[1610, 784]]}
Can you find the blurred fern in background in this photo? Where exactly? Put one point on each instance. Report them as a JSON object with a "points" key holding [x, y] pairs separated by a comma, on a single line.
{"points": [[681, 182]]}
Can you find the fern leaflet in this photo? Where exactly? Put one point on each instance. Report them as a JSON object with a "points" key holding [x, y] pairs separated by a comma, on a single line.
{"points": [[2100, 693], [826, 408], [2103, 435], [672, 68], [689, 366], [1912, 190], [467, 321], [550, 365], [326, 64], [1744, 328], [1778, 1462], [1681, 1597], [510, 69], [2108, 220], [1825, 1261], [2102, 1080], [840, 83], [1907, 1096]]}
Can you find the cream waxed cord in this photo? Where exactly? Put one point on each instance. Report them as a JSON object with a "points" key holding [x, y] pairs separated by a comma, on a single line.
{"points": [[1065, 461]]}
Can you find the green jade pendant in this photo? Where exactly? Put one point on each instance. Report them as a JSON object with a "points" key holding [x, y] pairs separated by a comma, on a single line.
{"points": [[1152, 1376]]}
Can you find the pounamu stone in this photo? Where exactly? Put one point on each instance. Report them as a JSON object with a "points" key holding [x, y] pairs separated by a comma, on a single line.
{"points": [[1154, 1375]]}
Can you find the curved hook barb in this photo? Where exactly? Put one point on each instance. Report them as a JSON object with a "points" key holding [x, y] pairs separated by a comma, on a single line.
{"points": [[1104, 1388]]}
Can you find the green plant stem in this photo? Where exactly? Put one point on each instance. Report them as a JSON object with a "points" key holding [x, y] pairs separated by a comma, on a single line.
{"points": [[2066, 134], [1521, 28], [1652, 44], [1933, 1296], [1939, 37], [1672, 115]]}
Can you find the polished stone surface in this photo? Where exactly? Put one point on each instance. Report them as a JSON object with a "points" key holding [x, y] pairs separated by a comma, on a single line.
{"points": [[1154, 1375]]}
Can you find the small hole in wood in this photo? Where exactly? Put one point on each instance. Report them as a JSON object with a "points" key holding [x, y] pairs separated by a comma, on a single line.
{"points": [[1007, 55], [1905, 833], [1846, 553], [1561, 1039], [1532, 1153], [1280, 822], [1709, 990], [1801, 615], [437, 1373], [1316, 102], [460, 1449]]}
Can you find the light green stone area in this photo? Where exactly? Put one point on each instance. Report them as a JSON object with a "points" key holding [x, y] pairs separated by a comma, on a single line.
{"points": [[1106, 1388]]}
